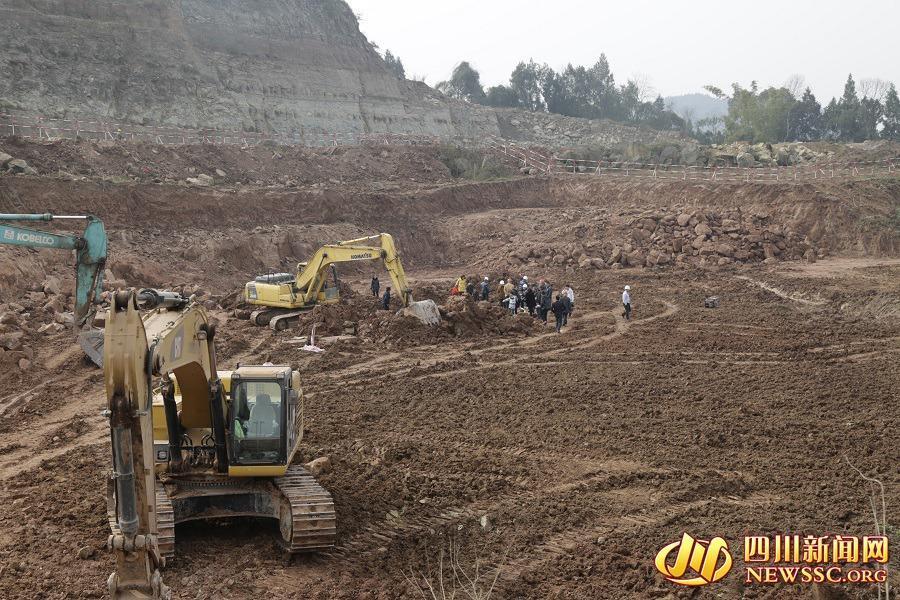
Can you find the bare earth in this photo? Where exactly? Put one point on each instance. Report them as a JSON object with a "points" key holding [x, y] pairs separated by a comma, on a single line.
{"points": [[586, 451]]}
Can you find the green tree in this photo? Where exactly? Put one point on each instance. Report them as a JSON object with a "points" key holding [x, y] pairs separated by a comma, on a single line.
{"points": [[527, 83], [464, 84], [891, 117], [755, 116], [805, 119], [501, 96], [871, 112], [848, 119], [394, 64]]}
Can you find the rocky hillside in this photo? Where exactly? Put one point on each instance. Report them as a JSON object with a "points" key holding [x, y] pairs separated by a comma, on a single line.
{"points": [[291, 66]]}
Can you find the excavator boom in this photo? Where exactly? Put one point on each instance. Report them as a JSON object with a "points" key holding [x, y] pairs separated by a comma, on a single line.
{"points": [[132, 509]]}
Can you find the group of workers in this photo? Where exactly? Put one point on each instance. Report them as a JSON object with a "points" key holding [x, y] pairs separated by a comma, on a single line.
{"points": [[536, 299], [523, 296]]}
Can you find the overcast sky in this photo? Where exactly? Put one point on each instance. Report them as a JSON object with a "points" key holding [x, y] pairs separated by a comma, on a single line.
{"points": [[677, 46]]}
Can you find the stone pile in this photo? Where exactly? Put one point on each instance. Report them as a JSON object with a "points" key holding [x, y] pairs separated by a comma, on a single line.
{"points": [[42, 310], [664, 239], [15, 166]]}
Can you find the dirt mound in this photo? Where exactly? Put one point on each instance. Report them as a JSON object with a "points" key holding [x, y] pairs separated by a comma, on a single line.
{"points": [[361, 316]]}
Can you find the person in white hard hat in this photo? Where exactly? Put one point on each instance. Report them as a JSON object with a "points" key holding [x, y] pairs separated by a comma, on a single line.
{"points": [[485, 289], [626, 302]]}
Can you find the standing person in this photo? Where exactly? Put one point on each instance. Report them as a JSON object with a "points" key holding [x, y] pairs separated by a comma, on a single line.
{"points": [[559, 311], [501, 289], [470, 290], [485, 289], [626, 302], [570, 293], [564, 298], [386, 299], [509, 288], [460, 285], [530, 300], [512, 303], [376, 285], [546, 300]]}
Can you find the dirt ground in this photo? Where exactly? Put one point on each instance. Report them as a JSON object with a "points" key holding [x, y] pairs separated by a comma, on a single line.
{"points": [[554, 465]]}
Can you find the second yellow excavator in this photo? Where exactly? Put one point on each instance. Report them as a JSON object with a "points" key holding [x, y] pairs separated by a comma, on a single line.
{"points": [[283, 297]]}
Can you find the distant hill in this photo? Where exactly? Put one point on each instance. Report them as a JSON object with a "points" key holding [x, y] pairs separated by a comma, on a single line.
{"points": [[697, 106]]}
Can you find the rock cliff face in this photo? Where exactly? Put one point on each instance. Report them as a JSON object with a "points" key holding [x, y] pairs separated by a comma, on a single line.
{"points": [[291, 66]]}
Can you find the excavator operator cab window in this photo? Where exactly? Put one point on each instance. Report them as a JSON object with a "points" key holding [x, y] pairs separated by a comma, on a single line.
{"points": [[257, 422]]}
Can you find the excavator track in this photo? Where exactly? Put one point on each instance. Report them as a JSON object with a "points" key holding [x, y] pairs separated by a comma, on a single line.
{"points": [[310, 524], [165, 519], [165, 522]]}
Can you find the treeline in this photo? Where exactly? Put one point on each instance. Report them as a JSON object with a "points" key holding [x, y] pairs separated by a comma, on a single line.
{"points": [[588, 92], [782, 114], [774, 114]]}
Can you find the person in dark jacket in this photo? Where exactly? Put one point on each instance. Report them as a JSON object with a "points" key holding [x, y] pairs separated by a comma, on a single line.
{"points": [[546, 299], [530, 300], [559, 311], [564, 298], [376, 285], [470, 290], [386, 299], [485, 289]]}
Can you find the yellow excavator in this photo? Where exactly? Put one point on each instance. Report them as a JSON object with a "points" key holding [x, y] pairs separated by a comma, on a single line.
{"points": [[190, 442], [284, 297]]}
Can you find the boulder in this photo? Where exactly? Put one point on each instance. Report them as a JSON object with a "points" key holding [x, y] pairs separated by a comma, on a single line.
{"points": [[615, 256], [702, 229], [683, 219], [319, 466], [425, 311], [51, 285], [810, 255], [11, 340], [4, 159], [640, 235], [17, 165], [221, 173], [745, 159], [24, 364], [725, 250]]}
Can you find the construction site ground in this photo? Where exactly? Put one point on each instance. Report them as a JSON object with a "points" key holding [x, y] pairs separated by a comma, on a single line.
{"points": [[554, 466]]}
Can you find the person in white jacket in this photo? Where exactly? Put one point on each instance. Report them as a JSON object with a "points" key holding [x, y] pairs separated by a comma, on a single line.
{"points": [[626, 302]]}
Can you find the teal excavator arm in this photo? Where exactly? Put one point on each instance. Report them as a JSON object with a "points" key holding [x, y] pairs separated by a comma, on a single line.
{"points": [[90, 251]]}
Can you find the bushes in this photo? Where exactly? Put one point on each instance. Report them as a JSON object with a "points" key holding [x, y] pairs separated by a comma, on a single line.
{"points": [[466, 163]]}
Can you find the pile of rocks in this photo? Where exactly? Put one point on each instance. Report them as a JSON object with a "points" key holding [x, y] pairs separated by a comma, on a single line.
{"points": [[15, 166], [662, 239], [42, 310]]}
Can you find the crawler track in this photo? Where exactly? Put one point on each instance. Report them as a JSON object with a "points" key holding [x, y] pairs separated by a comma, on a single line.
{"points": [[311, 524]]}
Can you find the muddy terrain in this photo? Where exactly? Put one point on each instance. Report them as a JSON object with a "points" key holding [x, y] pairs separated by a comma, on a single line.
{"points": [[553, 466]]}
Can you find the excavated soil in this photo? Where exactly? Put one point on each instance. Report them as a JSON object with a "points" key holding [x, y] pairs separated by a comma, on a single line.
{"points": [[557, 465]]}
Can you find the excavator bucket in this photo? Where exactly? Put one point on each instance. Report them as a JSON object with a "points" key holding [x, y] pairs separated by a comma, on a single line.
{"points": [[91, 342]]}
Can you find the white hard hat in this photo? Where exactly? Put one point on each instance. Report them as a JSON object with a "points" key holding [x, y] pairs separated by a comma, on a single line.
{"points": [[627, 288], [502, 282], [486, 279], [525, 277]]}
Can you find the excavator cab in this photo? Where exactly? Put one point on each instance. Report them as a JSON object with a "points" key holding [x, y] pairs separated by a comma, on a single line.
{"points": [[265, 419]]}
